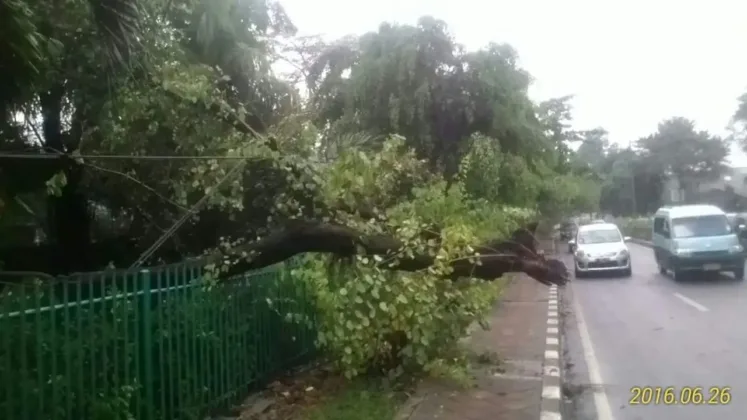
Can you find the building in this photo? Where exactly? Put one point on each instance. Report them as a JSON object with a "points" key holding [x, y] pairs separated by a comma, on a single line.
{"points": [[728, 192]]}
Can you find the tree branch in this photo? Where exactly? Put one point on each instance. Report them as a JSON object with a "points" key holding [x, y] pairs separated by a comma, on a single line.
{"points": [[491, 260]]}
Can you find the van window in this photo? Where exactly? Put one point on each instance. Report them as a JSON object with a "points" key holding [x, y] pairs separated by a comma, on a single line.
{"points": [[699, 226], [661, 227]]}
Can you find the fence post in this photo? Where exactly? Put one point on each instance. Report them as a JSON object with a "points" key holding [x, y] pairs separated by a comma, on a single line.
{"points": [[148, 344]]}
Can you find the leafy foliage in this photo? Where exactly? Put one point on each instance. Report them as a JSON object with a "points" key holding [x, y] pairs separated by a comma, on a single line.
{"points": [[407, 142], [687, 154]]}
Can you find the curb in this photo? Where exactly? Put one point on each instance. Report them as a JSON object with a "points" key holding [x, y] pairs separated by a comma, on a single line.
{"points": [[551, 395], [641, 242]]}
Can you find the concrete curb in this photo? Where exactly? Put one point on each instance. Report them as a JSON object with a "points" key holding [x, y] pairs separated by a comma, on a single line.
{"points": [[551, 389], [641, 242]]}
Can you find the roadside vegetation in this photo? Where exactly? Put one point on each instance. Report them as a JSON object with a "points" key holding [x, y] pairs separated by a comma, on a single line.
{"points": [[636, 227], [400, 137]]}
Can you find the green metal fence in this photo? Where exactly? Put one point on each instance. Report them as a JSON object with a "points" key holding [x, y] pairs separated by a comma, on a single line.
{"points": [[151, 344]]}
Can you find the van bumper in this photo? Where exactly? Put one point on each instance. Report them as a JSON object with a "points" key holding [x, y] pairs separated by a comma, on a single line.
{"points": [[720, 263]]}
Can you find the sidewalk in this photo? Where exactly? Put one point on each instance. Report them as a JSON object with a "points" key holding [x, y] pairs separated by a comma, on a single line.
{"points": [[512, 387]]}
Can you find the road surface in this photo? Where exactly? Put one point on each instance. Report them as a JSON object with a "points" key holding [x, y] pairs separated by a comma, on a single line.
{"points": [[648, 330]]}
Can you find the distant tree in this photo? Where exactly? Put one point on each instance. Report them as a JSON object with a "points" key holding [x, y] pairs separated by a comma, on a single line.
{"points": [[688, 155], [739, 122], [418, 82], [594, 146], [555, 116], [633, 184]]}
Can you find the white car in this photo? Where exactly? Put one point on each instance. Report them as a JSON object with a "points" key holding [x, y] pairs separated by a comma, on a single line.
{"points": [[600, 248]]}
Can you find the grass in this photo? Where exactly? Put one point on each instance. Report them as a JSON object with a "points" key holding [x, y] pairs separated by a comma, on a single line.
{"points": [[362, 400]]}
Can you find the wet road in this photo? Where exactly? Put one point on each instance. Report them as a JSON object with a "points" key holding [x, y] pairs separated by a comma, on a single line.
{"points": [[648, 330]]}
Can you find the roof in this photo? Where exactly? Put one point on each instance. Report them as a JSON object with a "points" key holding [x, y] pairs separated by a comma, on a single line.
{"points": [[598, 226], [691, 210]]}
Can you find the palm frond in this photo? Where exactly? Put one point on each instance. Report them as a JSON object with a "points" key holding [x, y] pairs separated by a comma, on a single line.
{"points": [[118, 23], [21, 53]]}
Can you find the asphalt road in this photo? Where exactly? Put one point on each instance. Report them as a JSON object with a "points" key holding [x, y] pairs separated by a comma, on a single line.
{"points": [[649, 330]]}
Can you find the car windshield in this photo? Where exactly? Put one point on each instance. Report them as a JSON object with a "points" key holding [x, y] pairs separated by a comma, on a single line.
{"points": [[695, 227], [599, 236]]}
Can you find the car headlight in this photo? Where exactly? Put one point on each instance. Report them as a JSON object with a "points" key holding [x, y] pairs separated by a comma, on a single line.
{"points": [[580, 253], [736, 249], [623, 254], [683, 252]]}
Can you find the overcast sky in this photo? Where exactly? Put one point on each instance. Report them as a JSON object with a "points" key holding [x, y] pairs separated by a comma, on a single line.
{"points": [[630, 64]]}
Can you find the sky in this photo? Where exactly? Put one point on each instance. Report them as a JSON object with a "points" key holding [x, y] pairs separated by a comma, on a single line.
{"points": [[630, 64]]}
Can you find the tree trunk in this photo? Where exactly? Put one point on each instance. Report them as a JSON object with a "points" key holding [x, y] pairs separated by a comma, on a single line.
{"points": [[68, 215]]}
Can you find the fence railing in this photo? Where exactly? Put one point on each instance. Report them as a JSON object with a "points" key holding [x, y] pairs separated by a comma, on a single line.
{"points": [[153, 344]]}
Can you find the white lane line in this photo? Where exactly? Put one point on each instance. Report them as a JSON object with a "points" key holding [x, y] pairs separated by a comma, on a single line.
{"points": [[552, 341], [550, 415], [601, 402], [552, 330], [551, 392], [552, 355], [552, 321], [691, 302]]}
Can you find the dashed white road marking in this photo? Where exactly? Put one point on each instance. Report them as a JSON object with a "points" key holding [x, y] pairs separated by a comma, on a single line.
{"points": [[551, 367], [551, 392], [550, 415], [601, 402], [691, 302], [551, 371]]}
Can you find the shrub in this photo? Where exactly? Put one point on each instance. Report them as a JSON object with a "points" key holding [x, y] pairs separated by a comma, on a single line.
{"points": [[374, 318]]}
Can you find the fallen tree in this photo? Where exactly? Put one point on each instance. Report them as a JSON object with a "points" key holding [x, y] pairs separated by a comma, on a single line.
{"points": [[385, 302], [488, 261]]}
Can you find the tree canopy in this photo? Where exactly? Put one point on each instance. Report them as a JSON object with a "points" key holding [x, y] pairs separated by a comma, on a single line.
{"points": [[191, 80]]}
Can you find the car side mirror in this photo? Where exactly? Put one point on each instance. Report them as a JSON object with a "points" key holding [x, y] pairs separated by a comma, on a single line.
{"points": [[627, 238]]}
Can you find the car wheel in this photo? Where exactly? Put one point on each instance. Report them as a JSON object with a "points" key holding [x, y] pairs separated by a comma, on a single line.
{"points": [[662, 269], [627, 272], [579, 274], [679, 275], [739, 274]]}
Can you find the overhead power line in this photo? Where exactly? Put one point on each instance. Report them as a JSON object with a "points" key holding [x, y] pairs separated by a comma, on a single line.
{"points": [[116, 157]]}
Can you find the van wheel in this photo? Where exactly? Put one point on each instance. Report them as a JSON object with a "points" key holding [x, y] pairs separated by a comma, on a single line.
{"points": [[662, 269], [739, 274], [679, 275]]}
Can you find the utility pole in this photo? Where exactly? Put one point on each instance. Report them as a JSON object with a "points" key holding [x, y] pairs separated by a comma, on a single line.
{"points": [[632, 178], [632, 187]]}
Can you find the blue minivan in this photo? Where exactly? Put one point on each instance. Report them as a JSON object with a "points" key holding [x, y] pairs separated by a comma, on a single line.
{"points": [[696, 238]]}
